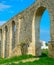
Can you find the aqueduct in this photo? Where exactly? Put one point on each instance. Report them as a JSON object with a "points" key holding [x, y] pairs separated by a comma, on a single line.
{"points": [[25, 26]]}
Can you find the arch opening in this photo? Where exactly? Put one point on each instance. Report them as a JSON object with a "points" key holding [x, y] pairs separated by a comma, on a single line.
{"points": [[13, 34], [36, 30], [45, 29]]}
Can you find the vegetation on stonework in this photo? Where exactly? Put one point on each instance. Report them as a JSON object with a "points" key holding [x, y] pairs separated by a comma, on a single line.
{"points": [[46, 44], [24, 47], [44, 60]]}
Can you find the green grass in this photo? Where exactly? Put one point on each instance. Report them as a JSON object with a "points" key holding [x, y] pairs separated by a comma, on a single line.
{"points": [[13, 59], [44, 60]]}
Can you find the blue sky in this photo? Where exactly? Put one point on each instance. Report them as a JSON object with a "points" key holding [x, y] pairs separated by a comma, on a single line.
{"points": [[9, 8]]}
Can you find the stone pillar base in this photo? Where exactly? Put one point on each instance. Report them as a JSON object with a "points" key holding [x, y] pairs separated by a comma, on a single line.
{"points": [[51, 49], [35, 51], [31, 49]]}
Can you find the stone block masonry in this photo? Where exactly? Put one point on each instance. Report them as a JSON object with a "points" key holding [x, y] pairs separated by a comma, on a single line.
{"points": [[25, 27]]}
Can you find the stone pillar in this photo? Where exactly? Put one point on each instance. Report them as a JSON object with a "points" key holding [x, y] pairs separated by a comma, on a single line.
{"points": [[51, 49], [3, 42], [36, 46], [17, 33], [10, 39], [20, 30], [51, 43]]}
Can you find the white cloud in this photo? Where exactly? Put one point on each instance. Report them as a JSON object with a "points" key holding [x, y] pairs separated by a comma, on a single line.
{"points": [[2, 22], [4, 6]]}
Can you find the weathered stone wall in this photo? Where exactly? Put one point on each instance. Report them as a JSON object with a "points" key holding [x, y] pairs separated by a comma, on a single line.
{"points": [[27, 29]]}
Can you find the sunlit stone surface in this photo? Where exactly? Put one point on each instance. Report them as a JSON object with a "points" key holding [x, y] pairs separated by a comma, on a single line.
{"points": [[25, 27]]}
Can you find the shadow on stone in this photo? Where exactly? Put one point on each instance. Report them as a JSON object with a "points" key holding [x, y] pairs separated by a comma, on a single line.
{"points": [[24, 48]]}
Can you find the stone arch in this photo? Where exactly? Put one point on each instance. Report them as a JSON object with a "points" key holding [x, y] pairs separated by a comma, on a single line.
{"points": [[36, 30], [13, 34], [6, 43]]}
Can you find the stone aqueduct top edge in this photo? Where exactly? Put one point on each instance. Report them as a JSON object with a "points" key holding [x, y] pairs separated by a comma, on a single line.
{"points": [[19, 15]]}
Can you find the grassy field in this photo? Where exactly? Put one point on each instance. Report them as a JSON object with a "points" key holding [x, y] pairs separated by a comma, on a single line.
{"points": [[44, 60], [15, 59]]}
